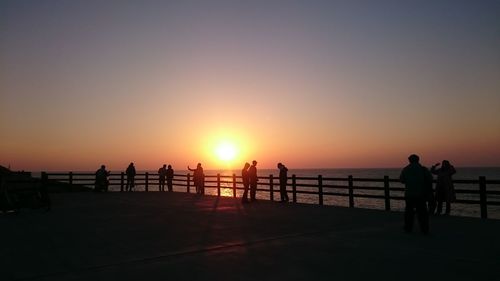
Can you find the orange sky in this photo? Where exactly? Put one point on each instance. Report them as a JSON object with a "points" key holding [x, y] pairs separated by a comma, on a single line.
{"points": [[311, 85]]}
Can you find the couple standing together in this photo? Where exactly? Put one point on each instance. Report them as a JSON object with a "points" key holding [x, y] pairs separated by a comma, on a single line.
{"points": [[250, 179]]}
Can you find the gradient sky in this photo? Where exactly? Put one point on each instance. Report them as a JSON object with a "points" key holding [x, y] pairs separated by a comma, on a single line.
{"points": [[309, 83]]}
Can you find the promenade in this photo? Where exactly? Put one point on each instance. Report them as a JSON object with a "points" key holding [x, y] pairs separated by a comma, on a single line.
{"points": [[180, 236]]}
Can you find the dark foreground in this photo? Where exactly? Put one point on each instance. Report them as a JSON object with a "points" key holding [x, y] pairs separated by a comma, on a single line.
{"points": [[178, 236]]}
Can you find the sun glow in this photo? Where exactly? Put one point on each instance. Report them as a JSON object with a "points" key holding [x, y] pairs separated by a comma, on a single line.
{"points": [[226, 151]]}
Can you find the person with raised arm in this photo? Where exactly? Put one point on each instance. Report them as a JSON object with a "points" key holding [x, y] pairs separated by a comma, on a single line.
{"points": [[199, 179], [445, 191]]}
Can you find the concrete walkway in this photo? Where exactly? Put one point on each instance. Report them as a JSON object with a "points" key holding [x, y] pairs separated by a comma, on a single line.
{"points": [[178, 236]]}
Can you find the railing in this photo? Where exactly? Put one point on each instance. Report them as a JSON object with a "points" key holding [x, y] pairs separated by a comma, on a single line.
{"points": [[385, 188]]}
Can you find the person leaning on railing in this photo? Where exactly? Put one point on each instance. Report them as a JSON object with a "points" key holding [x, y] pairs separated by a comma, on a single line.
{"points": [[101, 179]]}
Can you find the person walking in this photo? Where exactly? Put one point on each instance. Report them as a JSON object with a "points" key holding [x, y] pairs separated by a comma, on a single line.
{"points": [[445, 191], [246, 182], [199, 179], [162, 175], [252, 175], [130, 177], [418, 183], [283, 180], [170, 177]]}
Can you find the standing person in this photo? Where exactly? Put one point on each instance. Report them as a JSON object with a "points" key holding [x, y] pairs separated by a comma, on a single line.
{"points": [[245, 178], [101, 179], [252, 175], [199, 179], [417, 179], [445, 191], [162, 174], [170, 177], [130, 177], [283, 180]]}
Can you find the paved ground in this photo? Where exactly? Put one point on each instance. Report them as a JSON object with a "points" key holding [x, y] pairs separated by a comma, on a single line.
{"points": [[177, 236]]}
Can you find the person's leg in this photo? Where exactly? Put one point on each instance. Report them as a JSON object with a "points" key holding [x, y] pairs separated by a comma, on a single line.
{"points": [[253, 191], [423, 216], [169, 185], [409, 214], [432, 204], [244, 198], [448, 207], [439, 207]]}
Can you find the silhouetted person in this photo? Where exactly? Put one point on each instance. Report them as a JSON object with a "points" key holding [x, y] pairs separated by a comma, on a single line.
{"points": [[245, 178], [162, 176], [252, 174], [417, 180], [445, 191], [101, 179], [283, 180], [198, 178], [130, 177], [170, 177]]}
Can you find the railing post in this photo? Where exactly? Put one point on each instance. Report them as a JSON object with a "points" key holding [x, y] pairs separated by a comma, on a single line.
{"points": [[271, 187], [482, 197], [320, 189], [234, 185], [387, 194], [218, 184], [70, 181], [146, 185], [351, 192], [294, 188], [122, 181], [188, 182]]}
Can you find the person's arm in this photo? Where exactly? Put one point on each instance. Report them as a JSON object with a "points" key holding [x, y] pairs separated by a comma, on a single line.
{"points": [[433, 169], [192, 170], [402, 176], [453, 171]]}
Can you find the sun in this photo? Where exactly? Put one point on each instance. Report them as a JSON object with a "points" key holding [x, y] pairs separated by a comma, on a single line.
{"points": [[226, 151]]}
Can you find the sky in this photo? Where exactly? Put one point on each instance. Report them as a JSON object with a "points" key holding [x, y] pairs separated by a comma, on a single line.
{"points": [[313, 84]]}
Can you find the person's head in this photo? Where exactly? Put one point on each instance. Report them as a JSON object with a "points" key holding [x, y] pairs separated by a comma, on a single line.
{"points": [[414, 158], [279, 165], [103, 167], [247, 165], [131, 164], [445, 164], [254, 163], [164, 166], [170, 166], [199, 165]]}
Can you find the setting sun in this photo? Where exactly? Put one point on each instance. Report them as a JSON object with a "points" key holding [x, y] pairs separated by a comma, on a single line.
{"points": [[226, 151]]}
